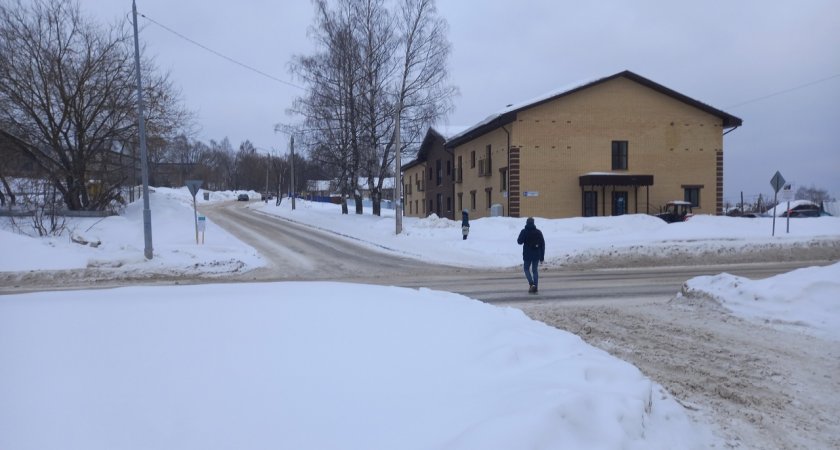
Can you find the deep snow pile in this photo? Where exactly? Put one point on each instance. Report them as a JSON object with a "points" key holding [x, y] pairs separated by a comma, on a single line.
{"points": [[805, 299], [312, 365]]}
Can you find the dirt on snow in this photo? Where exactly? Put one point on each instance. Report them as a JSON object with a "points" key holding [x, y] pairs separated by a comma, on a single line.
{"points": [[758, 386]]}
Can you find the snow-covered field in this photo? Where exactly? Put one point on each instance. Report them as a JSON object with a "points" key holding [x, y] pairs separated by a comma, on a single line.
{"points": [[121, 242], [330, 365]]}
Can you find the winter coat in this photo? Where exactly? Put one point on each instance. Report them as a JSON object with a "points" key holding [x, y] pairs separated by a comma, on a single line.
{"points": [[465, 219], [532, 242]]}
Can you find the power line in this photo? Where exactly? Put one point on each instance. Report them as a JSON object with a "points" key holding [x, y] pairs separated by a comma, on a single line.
{"points": [[246, 66], [784, 91]]}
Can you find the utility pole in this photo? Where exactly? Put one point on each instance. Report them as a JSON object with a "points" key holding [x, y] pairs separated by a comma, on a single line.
{"points": [[292, 189], [397, 172], [265, 192], [144, 160]]}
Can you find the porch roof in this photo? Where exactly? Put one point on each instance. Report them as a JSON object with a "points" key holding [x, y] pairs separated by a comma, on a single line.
{"points": [[615, 179]]}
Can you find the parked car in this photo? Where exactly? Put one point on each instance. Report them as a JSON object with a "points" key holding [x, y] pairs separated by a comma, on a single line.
{"points": [[676, 211], [243, 198], [802, 212]]}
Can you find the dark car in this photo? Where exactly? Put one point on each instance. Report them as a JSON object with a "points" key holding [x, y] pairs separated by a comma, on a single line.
{"points": [[243, 198], [802, 212]]}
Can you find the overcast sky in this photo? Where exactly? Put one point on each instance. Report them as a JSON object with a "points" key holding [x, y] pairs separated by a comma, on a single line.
{"points": [[722, 53]]}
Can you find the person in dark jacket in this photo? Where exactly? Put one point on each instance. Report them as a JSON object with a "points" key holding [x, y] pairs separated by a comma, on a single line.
{"points": [[465, 223], [533, 252]]}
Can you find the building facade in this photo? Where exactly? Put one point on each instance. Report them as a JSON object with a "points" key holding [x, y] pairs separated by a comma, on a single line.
{"points": [[428, 179], [618, 145]]}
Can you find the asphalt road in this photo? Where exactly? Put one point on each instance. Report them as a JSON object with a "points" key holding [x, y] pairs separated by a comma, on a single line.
{"points": [[298, 252]]}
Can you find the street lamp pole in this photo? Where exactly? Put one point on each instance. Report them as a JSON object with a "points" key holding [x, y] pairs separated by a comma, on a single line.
{"points": [[292, 190], [144, 160], [397, 173]]}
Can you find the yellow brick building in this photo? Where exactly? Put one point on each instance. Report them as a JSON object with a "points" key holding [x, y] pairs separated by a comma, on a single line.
{"points": [[618, 145]]}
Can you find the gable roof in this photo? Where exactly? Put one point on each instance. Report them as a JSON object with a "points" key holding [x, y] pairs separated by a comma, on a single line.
{"points": [[437, 132], [508, 114]]}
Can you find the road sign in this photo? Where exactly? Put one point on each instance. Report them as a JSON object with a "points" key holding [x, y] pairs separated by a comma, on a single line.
{"points": [[194, 186], [778, 181], [786, 194]]}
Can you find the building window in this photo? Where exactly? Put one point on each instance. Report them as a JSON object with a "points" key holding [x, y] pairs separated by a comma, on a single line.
{"points": [[692, 195], [438, 173], [416, 207], [619, 155], [448, 167], [448, 204], [504, 179], [590, 204], [472, 159], [488, 192], [472, 200], [430, 174], [460, 201], [431, 207]]}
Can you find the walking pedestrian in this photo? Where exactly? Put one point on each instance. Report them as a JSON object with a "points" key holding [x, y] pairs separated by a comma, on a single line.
{"points": [[533, 253], [465, 223]]}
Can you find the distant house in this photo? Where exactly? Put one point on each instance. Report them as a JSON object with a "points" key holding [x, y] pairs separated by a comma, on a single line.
{"points": [[320, 188], [428, 180], [617, 145]]}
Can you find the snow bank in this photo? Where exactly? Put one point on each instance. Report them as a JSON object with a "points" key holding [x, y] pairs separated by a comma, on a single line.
{"points": [[312, 365], [806, 299], [492, 240], [122, 243]]}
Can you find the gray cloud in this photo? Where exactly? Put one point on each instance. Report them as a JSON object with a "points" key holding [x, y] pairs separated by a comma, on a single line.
{"points": [[719, 52]]}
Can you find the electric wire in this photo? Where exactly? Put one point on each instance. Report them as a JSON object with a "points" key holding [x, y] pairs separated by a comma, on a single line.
{"points": [[785, 91], [228, 58]]}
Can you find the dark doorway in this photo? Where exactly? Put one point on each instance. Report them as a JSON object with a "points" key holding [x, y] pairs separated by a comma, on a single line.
{"points": [[619, 203], [590, 204]]}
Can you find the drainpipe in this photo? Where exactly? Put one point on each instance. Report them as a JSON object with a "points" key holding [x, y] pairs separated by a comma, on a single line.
{"points": [[508, 168]]}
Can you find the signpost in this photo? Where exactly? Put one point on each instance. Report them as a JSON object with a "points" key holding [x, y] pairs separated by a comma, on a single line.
{"points": [[787, 196], [202, 225], [778, 182], [194, 186]]}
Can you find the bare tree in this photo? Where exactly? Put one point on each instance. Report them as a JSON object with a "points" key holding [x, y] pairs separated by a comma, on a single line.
{"points": [[68, 92], [371, 62], [814, 194]]}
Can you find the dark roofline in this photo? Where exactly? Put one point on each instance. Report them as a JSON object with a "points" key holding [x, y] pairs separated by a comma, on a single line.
{"points": [[428, 139], [415, 162], [729, 121], [500, 121]]}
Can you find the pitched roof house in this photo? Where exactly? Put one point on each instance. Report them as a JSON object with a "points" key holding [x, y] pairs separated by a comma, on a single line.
{"points": [[428, 179], [617, 145]]}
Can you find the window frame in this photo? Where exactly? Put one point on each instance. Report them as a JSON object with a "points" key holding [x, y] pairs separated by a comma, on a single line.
{"points": [[620, 155]]}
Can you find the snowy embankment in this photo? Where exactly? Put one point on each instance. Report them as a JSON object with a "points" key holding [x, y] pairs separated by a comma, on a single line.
{"points": [[804, 300], [634, 239], [313, 365], [119, 242]]}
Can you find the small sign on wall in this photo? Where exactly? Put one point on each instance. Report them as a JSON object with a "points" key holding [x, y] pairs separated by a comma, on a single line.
{"points": [[531, 194]]}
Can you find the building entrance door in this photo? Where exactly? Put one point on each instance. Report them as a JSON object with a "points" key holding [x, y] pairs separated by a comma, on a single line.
{"points": [[619, 203]]}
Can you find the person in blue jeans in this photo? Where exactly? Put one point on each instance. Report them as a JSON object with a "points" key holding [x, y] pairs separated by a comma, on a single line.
{"points": [[533, 253]]}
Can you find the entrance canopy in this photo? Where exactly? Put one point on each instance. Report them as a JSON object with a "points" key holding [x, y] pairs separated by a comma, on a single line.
{"points": [[589, 182], [615, 179]]}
